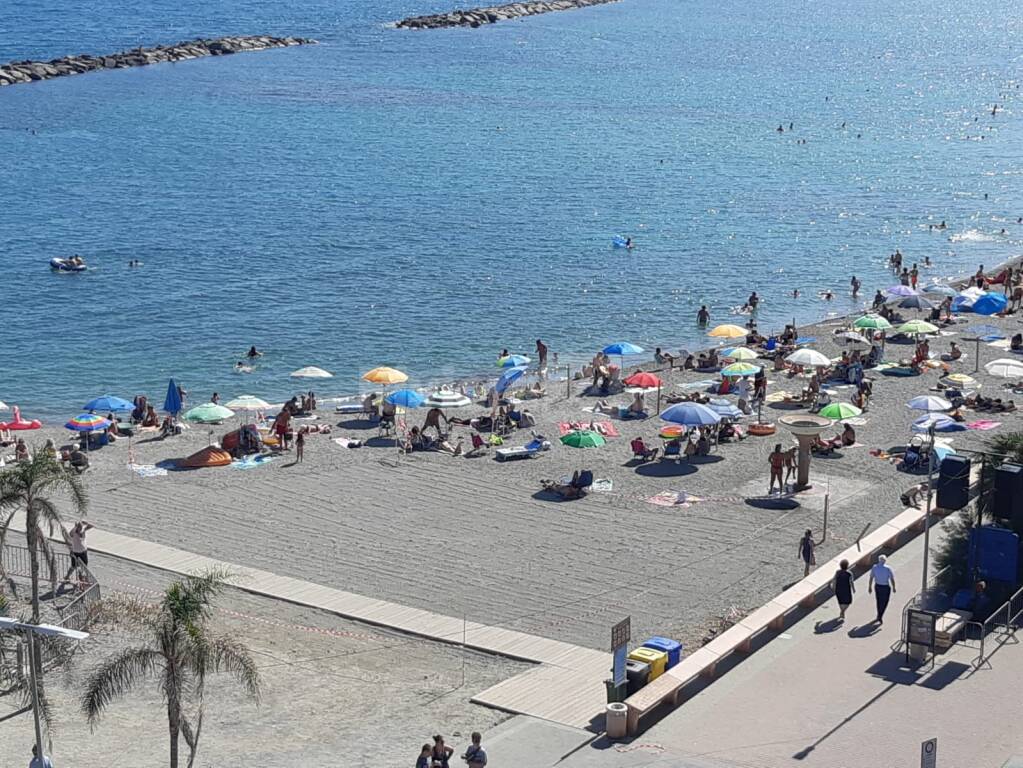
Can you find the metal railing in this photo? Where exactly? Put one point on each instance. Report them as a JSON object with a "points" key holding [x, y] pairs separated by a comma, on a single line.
{"points": [[920, 600], [16, 561], [1002, 623]]}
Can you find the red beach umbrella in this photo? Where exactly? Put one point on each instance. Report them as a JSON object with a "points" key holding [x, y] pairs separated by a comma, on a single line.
{"points": [[642, 379], [19, 423]]}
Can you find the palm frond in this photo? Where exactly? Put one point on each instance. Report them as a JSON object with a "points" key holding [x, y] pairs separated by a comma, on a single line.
{"points": [[115, 677], [228, 654]]}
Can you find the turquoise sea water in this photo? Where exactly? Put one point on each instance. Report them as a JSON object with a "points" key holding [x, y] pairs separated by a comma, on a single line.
{"points": [[423, 199]]}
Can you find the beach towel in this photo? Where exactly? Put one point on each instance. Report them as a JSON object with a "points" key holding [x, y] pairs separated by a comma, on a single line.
{"points": [[251, 462], [984, 424], [147, 470], [605, 428], [602, 485], [344, 442], [701, 384], [673, 499]]}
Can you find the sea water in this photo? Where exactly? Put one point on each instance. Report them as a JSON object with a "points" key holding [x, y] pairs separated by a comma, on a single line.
{"points": [[423, 199]]}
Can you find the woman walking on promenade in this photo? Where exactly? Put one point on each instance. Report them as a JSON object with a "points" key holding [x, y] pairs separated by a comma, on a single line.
{"points": [[844, 588], [806, 551]]}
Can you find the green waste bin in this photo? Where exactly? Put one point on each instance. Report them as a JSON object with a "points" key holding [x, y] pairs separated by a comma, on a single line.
{"points": [[616, 693]]}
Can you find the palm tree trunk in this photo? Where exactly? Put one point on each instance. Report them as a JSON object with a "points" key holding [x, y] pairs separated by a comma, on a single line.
{"points": [[33, 554], [173, 722]]}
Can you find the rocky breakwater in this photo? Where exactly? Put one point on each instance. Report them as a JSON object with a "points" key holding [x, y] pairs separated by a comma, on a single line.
{"points": [[28, 71], [475, 17]]}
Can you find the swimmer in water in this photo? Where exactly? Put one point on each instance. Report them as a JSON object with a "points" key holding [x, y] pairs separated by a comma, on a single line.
{"points": [[241, 367], [827, 295], [795, 293], [628, 243], [253, 352], [780, 129], [927, 261], [855, 283], [703, 316]]}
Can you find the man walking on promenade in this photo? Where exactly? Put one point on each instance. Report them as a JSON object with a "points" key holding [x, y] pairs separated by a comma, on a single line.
{"points": [[882, 577]]}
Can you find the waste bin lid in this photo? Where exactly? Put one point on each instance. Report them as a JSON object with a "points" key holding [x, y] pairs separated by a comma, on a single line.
{"points": [[617, 707]]}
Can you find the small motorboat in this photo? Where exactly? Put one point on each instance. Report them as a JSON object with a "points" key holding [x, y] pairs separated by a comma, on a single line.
{"points": [[67, 265]]}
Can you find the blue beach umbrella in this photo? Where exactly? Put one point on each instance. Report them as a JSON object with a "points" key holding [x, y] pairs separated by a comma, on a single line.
{"points": [[939, 290], [690, 415], [512, 361], [108, 403], [725, 409], [900, 290], [622, 348], [172, 403], [509, 376], [406, 398], [990, 303]]}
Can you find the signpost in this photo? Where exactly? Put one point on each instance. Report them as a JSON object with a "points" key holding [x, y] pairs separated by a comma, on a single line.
{"points": [[621, 633], [921, 627], [929, 754]]}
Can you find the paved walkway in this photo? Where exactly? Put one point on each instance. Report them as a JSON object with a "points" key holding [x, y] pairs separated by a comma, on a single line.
{"points": [[826, 695], [576, 673]]}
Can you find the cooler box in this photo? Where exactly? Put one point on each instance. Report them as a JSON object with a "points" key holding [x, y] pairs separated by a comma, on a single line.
{"points": [[658, 660], [671, 647], [637, 673]]}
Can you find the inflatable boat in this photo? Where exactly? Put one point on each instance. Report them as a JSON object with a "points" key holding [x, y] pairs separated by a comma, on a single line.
{"points": [[66, 265]]}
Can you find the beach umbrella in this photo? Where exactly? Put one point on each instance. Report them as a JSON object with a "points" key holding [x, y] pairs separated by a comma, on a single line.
{"points": [[808, 356], [172, 402], [990, 304], [247, 403], [941, 452], [873, 322], [208, 413], [740, 353], [3, 406], [406, 398], [643, 380], [939, 422], [512, 361], [621, 348], [445, 398], [983, 332], [917, 327], [960, 380], [583, 438], [725, 409], [87, 422], [900, 290], [929, 403], [1005, 368], [728, 331], [839, 411], [938, 289], [311, 372], [108, 403], [690, 415], [853, 339], [509, 376], [740, 369], [385, 375], [916, 302], [18, 423]]}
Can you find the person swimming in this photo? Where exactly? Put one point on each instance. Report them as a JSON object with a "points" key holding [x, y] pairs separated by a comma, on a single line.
{"points": [[241, 367], [253, 352], [628, 243], [702, 316], [795, 293]]}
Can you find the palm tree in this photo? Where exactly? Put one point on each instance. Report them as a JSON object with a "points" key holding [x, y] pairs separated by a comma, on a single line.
{"points": [[28, 485], [181, 652]]}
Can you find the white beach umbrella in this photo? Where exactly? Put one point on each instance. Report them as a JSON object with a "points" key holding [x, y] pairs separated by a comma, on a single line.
{"points": [[3, 406], [1005, 367], [248, 403], [807, 356], [853, 339], [929, 403], [446, 398], [311, 372]]}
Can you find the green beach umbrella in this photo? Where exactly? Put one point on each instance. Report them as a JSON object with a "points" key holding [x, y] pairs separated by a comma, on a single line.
{"points": [[208, 413], [583, 438], [875, 322], [839, 411], [917, 326], [740, 353], [740, 369]]}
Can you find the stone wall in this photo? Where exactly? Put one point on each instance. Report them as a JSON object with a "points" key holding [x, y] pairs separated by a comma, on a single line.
{"points": [[475, 17], [27, 71]]}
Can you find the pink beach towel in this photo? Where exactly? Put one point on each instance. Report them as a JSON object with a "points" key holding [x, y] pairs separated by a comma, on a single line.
{"points": [[673, 499], [984, 424], [606, 428]]}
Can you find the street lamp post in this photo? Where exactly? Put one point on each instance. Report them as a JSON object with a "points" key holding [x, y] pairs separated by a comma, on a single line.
{"points": [[927, 509], [32, 633]]}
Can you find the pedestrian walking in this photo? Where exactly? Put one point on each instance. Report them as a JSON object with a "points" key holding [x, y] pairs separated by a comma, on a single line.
{"points": [[300, 446], [79, 548], [883, 579], [844, 587], [37, 762], [806, 551], [475, 755]]}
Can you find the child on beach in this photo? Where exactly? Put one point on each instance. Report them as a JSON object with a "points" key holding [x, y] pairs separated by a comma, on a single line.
{"points": [[300, 445]]}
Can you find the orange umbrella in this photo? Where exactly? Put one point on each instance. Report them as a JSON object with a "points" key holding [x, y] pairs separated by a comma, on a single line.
{"points": [[642, 379], [385, 375]]}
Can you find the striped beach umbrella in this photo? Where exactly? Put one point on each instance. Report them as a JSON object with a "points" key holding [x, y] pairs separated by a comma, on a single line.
{"points": [[446, 398], [740, 369], [512, 361], [87, 422], [739, 353]]}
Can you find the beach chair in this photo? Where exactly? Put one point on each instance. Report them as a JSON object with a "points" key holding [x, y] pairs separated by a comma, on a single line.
{"points": [[672, 452], [527, 451], [641, 451], [577, 488], [386, 424]]}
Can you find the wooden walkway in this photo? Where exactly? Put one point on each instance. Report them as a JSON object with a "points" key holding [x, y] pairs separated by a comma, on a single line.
{"points": [[567, 688]]}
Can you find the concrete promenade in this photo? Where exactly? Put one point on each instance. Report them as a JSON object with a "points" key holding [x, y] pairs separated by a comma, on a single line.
{"points": [[833, 695]]}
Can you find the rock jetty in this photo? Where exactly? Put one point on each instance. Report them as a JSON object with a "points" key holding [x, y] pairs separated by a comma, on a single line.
{"points": [[27, 71], [475, 17]]}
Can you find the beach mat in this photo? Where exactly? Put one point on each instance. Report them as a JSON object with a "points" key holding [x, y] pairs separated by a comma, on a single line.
{"points": [[345, 442], [605, 428], [984, 424], [673, 499], [602, 485], [147, 470], [251, 462]]}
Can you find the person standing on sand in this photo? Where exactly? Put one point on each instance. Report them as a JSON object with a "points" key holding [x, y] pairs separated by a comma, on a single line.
{"points": [[703, 316], [441, 752], [423, 761], [844, 587], [300, 446], [475, 756], [806, 551], [883, 579], [777, 462]]}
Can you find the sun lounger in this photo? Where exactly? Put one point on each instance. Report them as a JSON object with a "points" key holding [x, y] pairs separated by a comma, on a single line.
{"points": [[527, 451], [350, 409]]}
